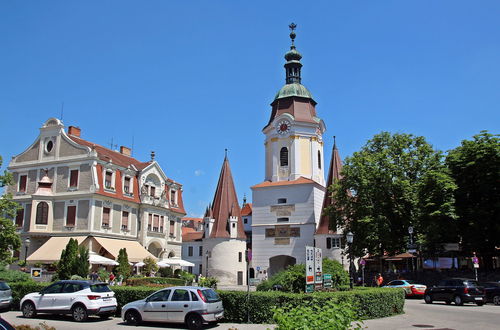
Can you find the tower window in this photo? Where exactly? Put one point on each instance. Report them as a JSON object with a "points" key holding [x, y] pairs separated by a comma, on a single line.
{"points": [[281, 200], [42, 213], [284, 156], [282, 219], [319, 159]]}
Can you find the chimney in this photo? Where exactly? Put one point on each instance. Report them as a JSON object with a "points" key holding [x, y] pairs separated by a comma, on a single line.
{"points": [[75, 131], [125, 151]]}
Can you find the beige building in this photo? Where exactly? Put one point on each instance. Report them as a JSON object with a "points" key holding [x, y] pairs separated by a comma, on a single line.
{"points": [[70, 187]]}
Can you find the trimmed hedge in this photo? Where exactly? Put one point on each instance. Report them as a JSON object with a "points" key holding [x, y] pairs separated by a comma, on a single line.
{"points": [[369, 303], [144, 281], [20, 289], [126, 294]]}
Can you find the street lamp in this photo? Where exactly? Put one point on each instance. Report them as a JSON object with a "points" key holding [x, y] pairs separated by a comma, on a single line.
{"points": [[350, 238], [411, 247], [26, 247]]}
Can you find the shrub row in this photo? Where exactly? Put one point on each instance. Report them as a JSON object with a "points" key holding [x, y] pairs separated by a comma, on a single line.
{"points": [[144, 281], [368, 302]]}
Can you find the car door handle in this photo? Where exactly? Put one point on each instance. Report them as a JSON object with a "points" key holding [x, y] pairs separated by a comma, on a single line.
{"points": [[186, 305], [162, 305]]}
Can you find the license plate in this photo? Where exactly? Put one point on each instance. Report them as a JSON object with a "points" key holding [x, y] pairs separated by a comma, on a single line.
{"points": [[479, 298]]}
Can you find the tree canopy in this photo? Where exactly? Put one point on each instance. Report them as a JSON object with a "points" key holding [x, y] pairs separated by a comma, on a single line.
{"points": [[123, 267], [74, 261], [395, 181], [475, 167], [9, 238]]}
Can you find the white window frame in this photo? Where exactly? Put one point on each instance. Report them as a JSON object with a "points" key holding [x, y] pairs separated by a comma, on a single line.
{"points": [[72, 168], [131, 186], [110, 225], [113, 180]]}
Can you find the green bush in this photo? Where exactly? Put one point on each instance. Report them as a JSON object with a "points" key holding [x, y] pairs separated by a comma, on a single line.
{"points": [[142, 281], [166, 272], [368, 303], [126, 294], [293, 279], [207, 282], [327, 316], [12, 276]]}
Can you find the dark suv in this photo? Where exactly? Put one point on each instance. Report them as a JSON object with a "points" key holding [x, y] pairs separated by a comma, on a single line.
{"points": [[457, 290]]}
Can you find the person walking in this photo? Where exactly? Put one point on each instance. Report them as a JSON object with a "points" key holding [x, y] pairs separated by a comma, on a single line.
{"points": [[379, 280], [93, 276], [111, 278]]}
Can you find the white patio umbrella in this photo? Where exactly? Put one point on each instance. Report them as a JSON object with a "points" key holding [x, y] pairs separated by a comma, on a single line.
{"points": [[139, 264], [163, 264], [96, 259], [177, 262]]}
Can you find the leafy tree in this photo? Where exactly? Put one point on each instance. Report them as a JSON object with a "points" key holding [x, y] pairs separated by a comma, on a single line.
{"points": [[149, 267], [395, 181], [9, 239], [475, 166], [82, 264], [67, 262], [123, 267]]}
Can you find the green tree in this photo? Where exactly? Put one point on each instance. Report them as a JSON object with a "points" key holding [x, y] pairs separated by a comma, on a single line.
{"points": [[82, 264], [395, 181], [123, 268], [9, 239], [475, 166], [149, 267], [67, 262]]}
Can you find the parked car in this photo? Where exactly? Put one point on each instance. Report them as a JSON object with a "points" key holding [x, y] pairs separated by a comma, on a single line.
{"points": [[457, 290], [191, 305], [492, 291], [412, 289], [5, 296], [78, 298]]}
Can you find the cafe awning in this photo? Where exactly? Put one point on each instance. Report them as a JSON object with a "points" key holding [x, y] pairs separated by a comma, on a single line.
{"points": [[135, 251], [51, 250]]}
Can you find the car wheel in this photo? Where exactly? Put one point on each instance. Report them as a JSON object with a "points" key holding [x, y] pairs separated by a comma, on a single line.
{"points": [[458, 301], [496, 300], [194, 322], [79, 313], [133, 317], [428, 299], [29, 309]]}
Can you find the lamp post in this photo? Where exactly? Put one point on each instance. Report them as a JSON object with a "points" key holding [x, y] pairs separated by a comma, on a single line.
{"points": [[350, 238], [26, 247], [411, 249]]}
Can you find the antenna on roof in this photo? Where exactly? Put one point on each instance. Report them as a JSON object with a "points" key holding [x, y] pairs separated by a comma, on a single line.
{"points": [[62, 111], [111, 145]]}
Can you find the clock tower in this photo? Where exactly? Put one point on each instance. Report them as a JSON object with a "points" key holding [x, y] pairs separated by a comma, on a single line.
{"points": [[294, 144], [287, 204]]}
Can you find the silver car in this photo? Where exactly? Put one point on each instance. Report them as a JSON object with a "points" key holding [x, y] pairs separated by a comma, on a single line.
{"points": [[5, 296], [191, 305]]}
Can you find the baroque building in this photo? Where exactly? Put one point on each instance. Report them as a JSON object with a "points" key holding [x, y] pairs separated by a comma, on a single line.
{"points": [[69, 187]]}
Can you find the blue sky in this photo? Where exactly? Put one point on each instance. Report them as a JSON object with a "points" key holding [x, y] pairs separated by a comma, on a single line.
{"points": [[188, 79]]}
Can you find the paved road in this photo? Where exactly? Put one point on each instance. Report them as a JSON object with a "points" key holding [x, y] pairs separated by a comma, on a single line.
{"points": [[419, 315], [439, 316]]}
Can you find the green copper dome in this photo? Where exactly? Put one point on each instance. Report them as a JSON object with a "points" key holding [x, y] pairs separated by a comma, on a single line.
{"points": [[293, 90]]}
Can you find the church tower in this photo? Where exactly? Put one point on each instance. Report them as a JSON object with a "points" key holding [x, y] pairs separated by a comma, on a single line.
{"points": [[287, 205]]}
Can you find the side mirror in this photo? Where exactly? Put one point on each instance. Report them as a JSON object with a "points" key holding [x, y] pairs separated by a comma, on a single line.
{"points": [[147, 300]]}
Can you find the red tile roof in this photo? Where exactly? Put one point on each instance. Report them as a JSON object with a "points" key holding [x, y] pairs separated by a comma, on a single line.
{"points": [[192, 219], [246, 210], [300, 180], [333, 174], [225, 205], [191, 236]]}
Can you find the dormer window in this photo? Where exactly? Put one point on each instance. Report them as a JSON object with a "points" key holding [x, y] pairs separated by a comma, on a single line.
{"points": [[108, 180], [152, 191], [173, 199], [284, 156], [126, 186]]}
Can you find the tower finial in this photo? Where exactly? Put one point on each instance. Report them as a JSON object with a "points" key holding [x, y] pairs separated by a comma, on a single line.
{"points": [[292, 27], [152, 155], [334, 142], [225, 153]]}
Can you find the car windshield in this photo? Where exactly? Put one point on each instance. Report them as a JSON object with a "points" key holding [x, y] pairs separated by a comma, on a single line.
{"points": [[4, 286], [210, 295], [471, 283], [99, 288], [411, 282]]}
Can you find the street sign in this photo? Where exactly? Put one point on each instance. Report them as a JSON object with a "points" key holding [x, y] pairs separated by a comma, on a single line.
{"points": [[36, 272], [257, 268], [309, 265], [327, 280], [475, 260], [318, 265], [362, 262], [309, 288], [476, 265]]}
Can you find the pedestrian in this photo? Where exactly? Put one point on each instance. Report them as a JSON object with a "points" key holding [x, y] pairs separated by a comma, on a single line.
{"points": [[379, 280], [93, 276], [111, 278], [120, 279]]}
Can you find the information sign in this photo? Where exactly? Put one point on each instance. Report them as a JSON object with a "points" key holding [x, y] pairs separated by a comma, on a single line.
{"points": [[309, 265], [36, 272], [327, 280], [318, 264]]}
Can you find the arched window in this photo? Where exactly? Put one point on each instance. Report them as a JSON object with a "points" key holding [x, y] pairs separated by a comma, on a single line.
{"points": [[42, 213], [284, 156], [319, 159]]}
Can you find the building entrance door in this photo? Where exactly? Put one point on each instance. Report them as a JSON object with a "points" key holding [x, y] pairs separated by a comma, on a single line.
{"points": [[279, 263]]}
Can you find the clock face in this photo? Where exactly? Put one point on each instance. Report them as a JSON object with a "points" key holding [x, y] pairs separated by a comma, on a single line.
{"points": [[283, 126]]}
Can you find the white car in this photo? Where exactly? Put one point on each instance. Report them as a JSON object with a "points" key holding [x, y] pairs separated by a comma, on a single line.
{"points": [[78, 298], [191, 305]]}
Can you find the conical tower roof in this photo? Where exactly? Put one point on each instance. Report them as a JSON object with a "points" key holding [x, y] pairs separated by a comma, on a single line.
{"points": [[333, 174], [225, 205]]}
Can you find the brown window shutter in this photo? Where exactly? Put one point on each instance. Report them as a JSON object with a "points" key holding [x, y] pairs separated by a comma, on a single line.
{"points": [[71, 216], [105, 216], [156, 222], [162, 223], [124, 220], [22, 183], [172, 227], [20, 217], [73, 178]]}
